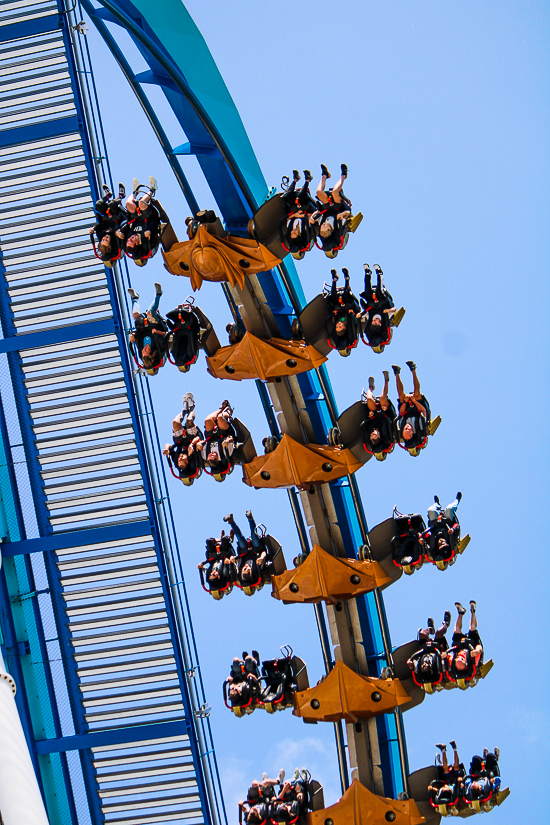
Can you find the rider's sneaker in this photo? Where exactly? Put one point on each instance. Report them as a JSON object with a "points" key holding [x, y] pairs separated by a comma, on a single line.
{"points": [[107, 190], [452, 743], [334, 275], [248, 514], [411, 365], [121, 190], [344, 169], [229, 519], [442, 747], [135, 185], [396, 369], [431, 625], [295, 175], [324, 171], [307, 175], [472, 606], [158, 289], [378, 269], [133, 294], [371, 383], [447, 617], [386, 375], [460, 608], [153, 185], [459, 496]]}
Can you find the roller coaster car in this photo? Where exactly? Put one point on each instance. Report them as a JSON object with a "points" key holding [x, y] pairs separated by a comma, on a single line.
{"points": [[448, 804], [427, 425], [291, 464], [275, 565], [345, 694], [323, 577], [443, 557], [257, 358], [213, 255], [191, 332], [282, 678], [359, 806]]}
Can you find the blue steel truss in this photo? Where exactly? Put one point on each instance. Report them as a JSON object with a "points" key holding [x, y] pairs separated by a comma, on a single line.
{"points": [[75, 565]]}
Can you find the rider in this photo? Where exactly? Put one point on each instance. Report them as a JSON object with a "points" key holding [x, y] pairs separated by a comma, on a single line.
{"points": [[333, 210], [149, 332], [445, 790], [443, 530], [377, 428], [220, 560], [484, 777], [184, 454], [110, 216], [341, 323], [256, 558], [378, 308], [220, 442], [140, 233], [465, 654], [413, 415], [295, 229], [429, 664], [244, 678]]}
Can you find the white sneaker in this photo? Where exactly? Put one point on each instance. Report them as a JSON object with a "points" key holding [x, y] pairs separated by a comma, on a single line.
{"points": [[153, 184], [135, 185]]}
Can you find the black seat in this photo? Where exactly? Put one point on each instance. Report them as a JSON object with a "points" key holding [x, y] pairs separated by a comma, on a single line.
{"points": [[407, 551]]}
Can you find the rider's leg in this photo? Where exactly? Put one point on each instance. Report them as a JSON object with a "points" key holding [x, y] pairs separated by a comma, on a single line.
{"points": [[255, 541], [384, 401]]}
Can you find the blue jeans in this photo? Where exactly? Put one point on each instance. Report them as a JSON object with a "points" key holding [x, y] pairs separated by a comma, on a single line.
{"points": [[153, 309], [449, 512]]}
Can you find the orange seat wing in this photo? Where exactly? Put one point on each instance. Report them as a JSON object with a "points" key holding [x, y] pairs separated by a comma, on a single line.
{"points": [[324, 577], [293, 464], [359, 806], [345, 694], [257, 358], [209, 258]]}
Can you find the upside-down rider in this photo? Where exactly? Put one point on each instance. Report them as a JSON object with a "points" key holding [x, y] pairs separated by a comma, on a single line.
{"points": [[220, 561], [254, 558], [243, 681], [290, 799], [484, 777], [343, 307], [140, 233], [296, 229], [257, 805], [443, 530], [149, 332], [467, 650], [378, 309], [377, 428], [184, 455], [220, 442], [447, 788], [413, 416], [429, 663], [333, 210], [111, 215]]}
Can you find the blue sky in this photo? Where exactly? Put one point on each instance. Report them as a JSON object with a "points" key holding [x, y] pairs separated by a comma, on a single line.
{"points": [[440, 110]]}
